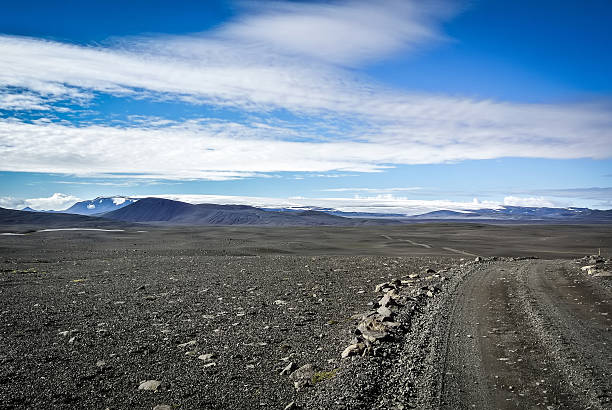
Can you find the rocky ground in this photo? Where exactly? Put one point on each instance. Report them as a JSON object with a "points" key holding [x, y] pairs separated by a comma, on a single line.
{"points": [[88, 321]]}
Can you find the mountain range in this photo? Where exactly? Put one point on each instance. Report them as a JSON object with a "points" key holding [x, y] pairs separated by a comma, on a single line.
{"points": [[168, 212], [158, 210], [521, 214]]}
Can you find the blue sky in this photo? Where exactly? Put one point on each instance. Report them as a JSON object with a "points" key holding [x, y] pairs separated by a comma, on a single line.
{"points": [[399, 106]]}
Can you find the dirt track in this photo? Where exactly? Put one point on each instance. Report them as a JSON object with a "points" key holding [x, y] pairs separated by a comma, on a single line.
{"points": [[524, 335]]}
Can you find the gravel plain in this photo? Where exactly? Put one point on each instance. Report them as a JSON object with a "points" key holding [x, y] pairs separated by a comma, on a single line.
{"points": [[222, 318]]}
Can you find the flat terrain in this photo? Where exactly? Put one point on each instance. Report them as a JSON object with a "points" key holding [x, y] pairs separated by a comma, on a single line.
{"points": [[216, 314]]}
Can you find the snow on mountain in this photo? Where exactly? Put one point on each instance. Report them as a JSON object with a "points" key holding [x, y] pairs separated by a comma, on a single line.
{"points": [[100, 205]]}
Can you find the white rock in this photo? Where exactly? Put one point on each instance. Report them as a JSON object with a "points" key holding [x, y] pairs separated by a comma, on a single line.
{"points": [[208, 357], [287, 369], [149, 385], [354, 349], [189, 343], [385, 312]]}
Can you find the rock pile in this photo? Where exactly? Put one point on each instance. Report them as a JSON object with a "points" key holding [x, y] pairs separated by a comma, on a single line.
{"points": [[376, 326], [596, 265]]}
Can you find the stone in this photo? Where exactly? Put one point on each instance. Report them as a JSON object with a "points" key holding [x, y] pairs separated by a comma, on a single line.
{"points": [[354, 349], [100, 363], [162, 407], [381, 286], [208, 357], [478, 259], [280, 302], [384, 312], [372, 330], [302, 377], [602, 273], [429, 270], [287, 369], [388, 299], [189, 343], [152, 385], [290, 406], [413, 276], [429, 294]]}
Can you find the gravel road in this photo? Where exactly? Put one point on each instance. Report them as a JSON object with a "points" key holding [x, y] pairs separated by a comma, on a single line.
{"points": [[526, 334]]}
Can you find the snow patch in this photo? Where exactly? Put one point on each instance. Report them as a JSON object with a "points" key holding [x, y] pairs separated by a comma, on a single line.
{"points": [[118, 201], [91, 206]]}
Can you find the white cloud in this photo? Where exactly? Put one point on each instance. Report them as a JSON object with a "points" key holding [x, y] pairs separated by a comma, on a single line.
{"points": [[529, 201], [222, 151], [340, 33], [375, 190], [244, 65], [22, 101], [55, 202]]}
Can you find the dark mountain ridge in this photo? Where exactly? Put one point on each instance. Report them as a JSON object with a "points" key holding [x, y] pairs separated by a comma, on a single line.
{"points": [[158, 210]]}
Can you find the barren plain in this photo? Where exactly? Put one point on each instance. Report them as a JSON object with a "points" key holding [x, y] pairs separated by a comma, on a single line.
{"points": [[470, 316]]}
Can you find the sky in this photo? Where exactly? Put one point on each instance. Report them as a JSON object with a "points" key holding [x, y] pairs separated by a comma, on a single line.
{"points": [[395, 106]]}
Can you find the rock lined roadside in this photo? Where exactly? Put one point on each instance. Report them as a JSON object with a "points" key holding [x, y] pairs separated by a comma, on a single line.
{"points": [[373, 369], [596, 266]]}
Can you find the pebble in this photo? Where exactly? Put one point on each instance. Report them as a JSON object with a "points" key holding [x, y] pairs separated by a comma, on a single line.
{"points": [[162, 407], [208, 357], [149, 385], [189, 343], [287, 369]]}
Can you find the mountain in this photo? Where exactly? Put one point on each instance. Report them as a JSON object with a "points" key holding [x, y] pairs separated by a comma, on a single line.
{"points": [[99, 205], [522, 214], [166, 211], [13, 217], [332, 211]]}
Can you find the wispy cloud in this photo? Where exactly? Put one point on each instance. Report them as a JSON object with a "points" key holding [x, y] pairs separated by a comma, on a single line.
{"points": [[345, 33], [529, 201], [261, 63], [375, 190]]}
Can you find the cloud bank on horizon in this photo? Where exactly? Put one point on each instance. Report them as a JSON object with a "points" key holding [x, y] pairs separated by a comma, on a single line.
{"points": [[282, 87]]}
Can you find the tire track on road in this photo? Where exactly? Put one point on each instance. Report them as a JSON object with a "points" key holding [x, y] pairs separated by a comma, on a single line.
{"points": [[513, 336]]}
